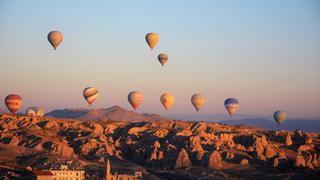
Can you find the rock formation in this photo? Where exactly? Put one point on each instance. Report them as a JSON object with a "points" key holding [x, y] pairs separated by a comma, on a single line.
{"points": [[215, 160], [183, 160], [288, 141], [166, 145]]}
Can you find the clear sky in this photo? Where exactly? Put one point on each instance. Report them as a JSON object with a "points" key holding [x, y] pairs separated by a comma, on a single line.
{"points": [[265, 53]]}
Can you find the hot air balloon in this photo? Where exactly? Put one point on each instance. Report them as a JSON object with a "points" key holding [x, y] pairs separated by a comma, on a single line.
{"points": [[167, 100], [198, 101], [90, 94], [163, 58], [279, 117], [152, 39], [35, 112], [135, 98], [13, 102], [55, 38], [232, 105]]}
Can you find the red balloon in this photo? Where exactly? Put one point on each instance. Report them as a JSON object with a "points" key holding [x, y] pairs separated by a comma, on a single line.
{"points": [[13, 102]]}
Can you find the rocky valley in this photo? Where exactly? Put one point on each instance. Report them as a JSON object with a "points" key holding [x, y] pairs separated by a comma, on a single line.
{"points": [[159, 147]]}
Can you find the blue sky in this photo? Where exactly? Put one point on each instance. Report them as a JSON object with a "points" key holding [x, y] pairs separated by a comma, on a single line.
{"points": [[265, 53]]}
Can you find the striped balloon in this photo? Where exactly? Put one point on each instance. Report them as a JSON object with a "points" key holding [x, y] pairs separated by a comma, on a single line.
{"points": [[232, 105], [90, 94], [135, 98], [163, 58], [13, 102], [198, 101], [35, 112]]}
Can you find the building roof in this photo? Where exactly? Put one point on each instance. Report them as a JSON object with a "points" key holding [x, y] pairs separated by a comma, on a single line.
{"points": [[42, 173]]}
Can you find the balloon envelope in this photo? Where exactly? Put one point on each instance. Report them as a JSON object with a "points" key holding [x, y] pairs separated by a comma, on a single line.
{"points": [[152, 39], [35, 112], [55, 38], [279, 117], [135, 98], [90, 94], [13, 102], [232, 105], [198, 101], [167, 100], [163, 58]]}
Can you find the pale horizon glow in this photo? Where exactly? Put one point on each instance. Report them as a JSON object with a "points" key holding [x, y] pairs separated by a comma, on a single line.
{"points": [[266, 54]]}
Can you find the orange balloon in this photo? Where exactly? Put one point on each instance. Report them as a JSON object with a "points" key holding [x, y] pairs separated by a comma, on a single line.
{"points": [[152, 39], [55, 38]]}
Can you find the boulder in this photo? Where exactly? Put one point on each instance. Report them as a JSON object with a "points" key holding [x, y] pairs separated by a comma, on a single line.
{"points": [[156, 145], [299, 137], [281, 160], [229, 155], [259, 146], [305, 147], [282, 155], [198, 127], [315, 162], [215, 160], [244, 162], [51, 124], [240, 147], [269, 152], [161, 133], [153, 155], [14, 141], [288, 140], [160, 155], [299, 161], [183, 160], [186, 133], [137, 130], [308, 140], [97, 129], [309, 162]]}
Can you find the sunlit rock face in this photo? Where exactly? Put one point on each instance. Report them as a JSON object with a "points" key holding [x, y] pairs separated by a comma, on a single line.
{"points": [[161, 144]]}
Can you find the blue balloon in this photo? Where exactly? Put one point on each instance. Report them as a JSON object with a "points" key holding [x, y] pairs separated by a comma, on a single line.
{"points": [[231, 101], [232, 105], [279, 117]]}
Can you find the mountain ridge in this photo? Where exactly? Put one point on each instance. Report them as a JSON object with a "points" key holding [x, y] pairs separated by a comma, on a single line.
{"points": [[114, 113], [117, 113]]}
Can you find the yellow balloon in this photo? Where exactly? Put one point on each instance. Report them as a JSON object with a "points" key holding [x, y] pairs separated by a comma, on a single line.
{"points": [[55, 38], [167, 100], [152, 39], [198, 101]]}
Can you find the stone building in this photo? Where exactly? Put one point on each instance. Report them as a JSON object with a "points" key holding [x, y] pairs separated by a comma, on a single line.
{"points": [[64, 173], [116, 176], [41, 175]]}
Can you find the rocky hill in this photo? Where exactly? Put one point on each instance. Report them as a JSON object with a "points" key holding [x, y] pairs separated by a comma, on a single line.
{"points": [[114, 113], [166, 149]]}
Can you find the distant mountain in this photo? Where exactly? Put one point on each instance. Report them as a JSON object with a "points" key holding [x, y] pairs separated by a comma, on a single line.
{"points": [[115, 113], [307, 125], [215, 117]]}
